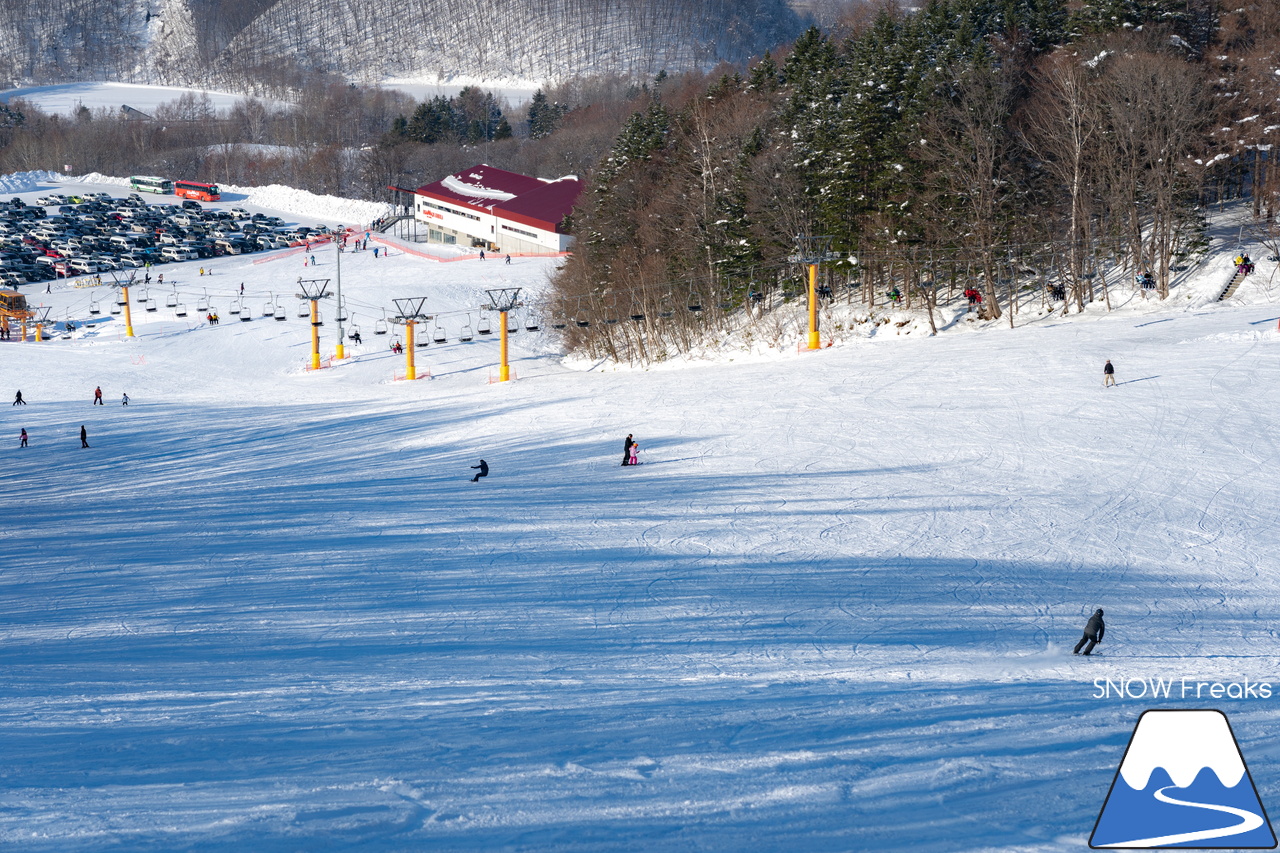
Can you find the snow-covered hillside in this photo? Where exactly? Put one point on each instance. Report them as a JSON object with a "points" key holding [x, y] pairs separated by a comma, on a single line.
{"points": [[268, 610], [182, 42]]}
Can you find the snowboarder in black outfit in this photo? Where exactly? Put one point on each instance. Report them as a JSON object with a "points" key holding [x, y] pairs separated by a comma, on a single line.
{"points": [[626, 450], [18, 401], [84, 436], [1093, 632], [1108, 374], [484, 471]]}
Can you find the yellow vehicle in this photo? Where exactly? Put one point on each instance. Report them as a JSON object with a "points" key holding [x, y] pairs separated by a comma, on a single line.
{"points": [[14, 305]]}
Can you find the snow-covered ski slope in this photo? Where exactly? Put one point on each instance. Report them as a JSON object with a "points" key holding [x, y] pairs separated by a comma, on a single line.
{"points": [[833, 610]]}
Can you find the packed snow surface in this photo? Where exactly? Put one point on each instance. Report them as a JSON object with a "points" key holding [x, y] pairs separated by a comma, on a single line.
{"points": [[833, 609], [66, 98]]}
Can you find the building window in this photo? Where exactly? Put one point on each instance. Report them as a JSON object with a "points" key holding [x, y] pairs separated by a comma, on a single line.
{"points": [[528, 234], [444, 209]]}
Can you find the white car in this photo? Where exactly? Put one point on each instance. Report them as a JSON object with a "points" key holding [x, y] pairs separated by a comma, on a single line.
{"points": [[178, 253]]}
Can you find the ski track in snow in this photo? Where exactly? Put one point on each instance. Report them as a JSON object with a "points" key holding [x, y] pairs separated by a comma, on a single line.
{"points": [[831, 611]]}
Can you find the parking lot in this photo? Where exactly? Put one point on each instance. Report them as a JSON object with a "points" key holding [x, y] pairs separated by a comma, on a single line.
{"points": [[89, 234]]}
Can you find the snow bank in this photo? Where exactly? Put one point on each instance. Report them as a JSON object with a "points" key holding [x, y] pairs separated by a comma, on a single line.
{"points": [[22, 182]]}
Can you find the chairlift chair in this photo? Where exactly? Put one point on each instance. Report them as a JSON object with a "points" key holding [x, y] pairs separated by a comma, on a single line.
{"points": [[245, 316], [559, 326], [144, 295], [513, 325], [180, 310], [342, 314], [465, 334], [304, 309], [438, 335], [531, 325], [94, 307], [152, 305], [269, 309], [319, 318], [582, 324], [638, 317], [484, 327], [281, 314], [380, 327], [115, 308], [203, 305], [354, 332], [171, 301], [235, 308]]}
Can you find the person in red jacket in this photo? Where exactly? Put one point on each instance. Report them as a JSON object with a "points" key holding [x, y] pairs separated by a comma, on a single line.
{"points": [[97, 396]]}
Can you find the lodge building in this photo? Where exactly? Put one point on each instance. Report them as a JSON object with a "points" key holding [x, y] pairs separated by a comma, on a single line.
{"points": [[499, 211]]}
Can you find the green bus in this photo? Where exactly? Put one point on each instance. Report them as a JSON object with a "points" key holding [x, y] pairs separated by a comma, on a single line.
{"points": [[143, 184]]}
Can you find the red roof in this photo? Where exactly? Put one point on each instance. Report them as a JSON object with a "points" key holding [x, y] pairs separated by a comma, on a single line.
{"points": [[508, 195]]}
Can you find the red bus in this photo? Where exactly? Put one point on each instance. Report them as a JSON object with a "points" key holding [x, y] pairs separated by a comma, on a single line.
{"points": [[197, 190]]}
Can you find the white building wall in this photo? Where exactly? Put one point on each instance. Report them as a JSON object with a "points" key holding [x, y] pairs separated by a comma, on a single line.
{"points": [[472, 223], [510, 237]]}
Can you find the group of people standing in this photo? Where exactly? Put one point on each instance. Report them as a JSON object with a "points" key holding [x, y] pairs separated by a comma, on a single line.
{"points": [[23, 438]]}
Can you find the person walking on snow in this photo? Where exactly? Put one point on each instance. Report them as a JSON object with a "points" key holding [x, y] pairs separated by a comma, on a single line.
{"points": [[18, 401], [484, 471], [84, 436], [23, 443], [97, 396], [482, 254], [1108, 374], [508, 259], [1093, 632], [626, 450]]}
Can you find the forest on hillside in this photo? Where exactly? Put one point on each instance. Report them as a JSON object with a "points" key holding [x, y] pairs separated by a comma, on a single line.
{"points": [[995, 144], [263, 47]]}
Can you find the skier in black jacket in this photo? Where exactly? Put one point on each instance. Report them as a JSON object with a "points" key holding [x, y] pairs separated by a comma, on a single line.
{"points": [[1093, 632], [484, 471], [626, 450]]}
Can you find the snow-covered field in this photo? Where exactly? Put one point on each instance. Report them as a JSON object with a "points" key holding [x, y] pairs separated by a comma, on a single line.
{"points": [[833, 610], [66, 98]]}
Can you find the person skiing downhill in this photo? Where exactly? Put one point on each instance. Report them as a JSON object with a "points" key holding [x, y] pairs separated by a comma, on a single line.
{"points": [[484, 471], [1108, 374], [1093, 631]]}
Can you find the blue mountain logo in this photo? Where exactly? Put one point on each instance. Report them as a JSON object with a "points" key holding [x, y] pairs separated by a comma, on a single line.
{"points": [[1183, 783]]}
